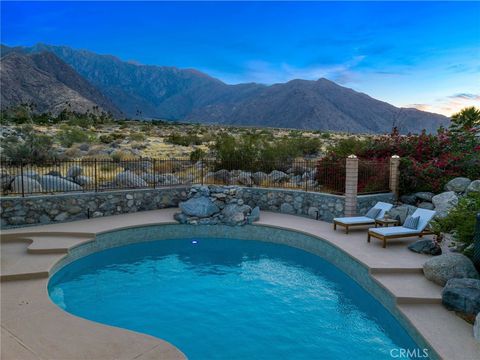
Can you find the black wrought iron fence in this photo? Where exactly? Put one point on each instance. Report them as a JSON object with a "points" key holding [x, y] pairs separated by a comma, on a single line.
{"points": [[105, 174]]}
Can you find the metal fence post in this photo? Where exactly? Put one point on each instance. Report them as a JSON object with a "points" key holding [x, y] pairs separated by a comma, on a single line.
{"points": [[95, 175], [21, 175], [201, 170], [154, 173]]}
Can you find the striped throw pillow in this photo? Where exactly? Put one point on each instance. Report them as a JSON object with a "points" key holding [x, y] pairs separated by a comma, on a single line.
{"points": [[373, 213], [411, 222]]}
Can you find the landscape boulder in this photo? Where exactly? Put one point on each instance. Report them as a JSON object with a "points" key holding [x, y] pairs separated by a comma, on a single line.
{"points": [[31, 174], [245, 178], [235, 213], [401, 212], [476, 327], [54, 173], [425, 246], [458, 184], [462, 295], [222, 176], [74, 171], [129, 179], [254, 215], [444, 202], [168, 179], [29, 185], [426, 205], [444, 267], [277, 176], [57, 184], [408, 199], [259, 177], [83, 180], [425, 196], [201, 207], [473, 187]]}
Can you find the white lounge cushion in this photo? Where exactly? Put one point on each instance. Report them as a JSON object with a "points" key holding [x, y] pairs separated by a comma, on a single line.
{"points": [[355, 220], [394, 230]]}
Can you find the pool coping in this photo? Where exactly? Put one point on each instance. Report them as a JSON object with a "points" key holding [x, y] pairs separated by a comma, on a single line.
{"points": [[20, 340]]}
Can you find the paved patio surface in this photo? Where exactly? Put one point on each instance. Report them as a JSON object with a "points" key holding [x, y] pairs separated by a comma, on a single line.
{"points": [[35, 328]]}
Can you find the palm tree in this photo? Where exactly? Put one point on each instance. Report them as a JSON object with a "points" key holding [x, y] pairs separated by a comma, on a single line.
{"points": [[466, 119]]}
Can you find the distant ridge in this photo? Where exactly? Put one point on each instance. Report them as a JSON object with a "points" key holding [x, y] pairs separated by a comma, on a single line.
{"points": [[148, 91]]}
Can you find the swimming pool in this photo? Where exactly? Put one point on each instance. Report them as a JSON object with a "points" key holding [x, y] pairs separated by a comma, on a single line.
{"points": [[230, 299]]}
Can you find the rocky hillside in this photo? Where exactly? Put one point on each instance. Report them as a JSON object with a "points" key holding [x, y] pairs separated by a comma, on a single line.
{"points": [[185, 94], [49, 83]]}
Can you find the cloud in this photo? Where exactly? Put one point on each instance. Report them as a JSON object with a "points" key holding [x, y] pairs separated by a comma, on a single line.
{"points": [[449, 105]]}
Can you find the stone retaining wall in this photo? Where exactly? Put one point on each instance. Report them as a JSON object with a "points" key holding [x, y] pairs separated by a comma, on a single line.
{"points": [[45, 209]]}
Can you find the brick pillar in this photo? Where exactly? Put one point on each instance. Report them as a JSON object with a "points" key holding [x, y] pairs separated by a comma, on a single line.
{"points": [[351, 185], [394, 174]]}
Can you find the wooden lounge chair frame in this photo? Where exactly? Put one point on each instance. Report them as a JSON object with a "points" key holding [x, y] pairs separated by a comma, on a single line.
{"points": [[384, 238], [346, 226]]}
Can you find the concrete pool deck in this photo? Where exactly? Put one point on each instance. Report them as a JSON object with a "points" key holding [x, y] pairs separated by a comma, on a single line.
{"points": [[35, 328]]}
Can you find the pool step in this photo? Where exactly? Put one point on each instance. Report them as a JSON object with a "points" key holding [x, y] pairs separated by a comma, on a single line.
{"points": [[410, 288]]}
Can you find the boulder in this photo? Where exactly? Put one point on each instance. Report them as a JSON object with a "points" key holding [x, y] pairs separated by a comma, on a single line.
{"points": [[458, 184], [476, 327], [199, 206], [259, 177], [425, 246], [137, 165], [29, 185], [462, 295], [54, 173], [277, 176], [426, 205], [473, 187], [130, 180], [180, 217], [245, 178], [168, 179], [235, 214], [31, 174], [442, 268], [74, 171], [55, 184], [6, 181], [444, 202], [425, 196], [401, 212], [408, 199], [83, 180], [149, 178], [222, 176], [254, 215]]}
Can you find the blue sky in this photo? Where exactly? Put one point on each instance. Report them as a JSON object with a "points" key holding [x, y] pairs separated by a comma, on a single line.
{"points": [[424, 54]]}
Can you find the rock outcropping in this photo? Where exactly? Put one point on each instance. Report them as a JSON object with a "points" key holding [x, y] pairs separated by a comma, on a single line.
{"points": [[211, 205]]}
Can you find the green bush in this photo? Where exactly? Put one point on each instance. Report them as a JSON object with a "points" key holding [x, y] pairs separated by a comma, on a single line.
{"points": [[110, 138], [32, 148], [68, 135], [184, 140], [460, 220], [197, 155], [137, 136]]}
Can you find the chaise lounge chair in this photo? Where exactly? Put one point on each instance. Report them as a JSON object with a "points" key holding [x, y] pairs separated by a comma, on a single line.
{"points": [[368, 219], [414, 225]]}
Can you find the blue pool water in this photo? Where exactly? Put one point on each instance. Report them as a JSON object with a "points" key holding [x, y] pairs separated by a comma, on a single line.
{"points": [[230, 299]]}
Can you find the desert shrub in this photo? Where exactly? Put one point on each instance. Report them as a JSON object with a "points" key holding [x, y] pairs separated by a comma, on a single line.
{"points": [[197, 155], [120, 155], [184, 140], [326, 135], [137, 136], [110, 138], [29, 147], [69, 135], [460, 220]]}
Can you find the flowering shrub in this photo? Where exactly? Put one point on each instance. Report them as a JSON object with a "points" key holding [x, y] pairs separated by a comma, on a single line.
{"points": [[428, 161]]}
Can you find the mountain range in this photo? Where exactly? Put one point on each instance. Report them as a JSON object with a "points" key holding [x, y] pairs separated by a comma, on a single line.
{"points": [[53, 77]]}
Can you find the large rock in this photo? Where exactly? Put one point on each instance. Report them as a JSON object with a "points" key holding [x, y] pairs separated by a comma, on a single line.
{"points": [[476, 327], [222, 176], [444, 202], [259, 177], [426, 205], [458, 184], [168, 179], [254, 215], [199, 206], [245, 178], [74, 171], [401, 212], [425, 246], [234, 214], [137, 165], [56, 184], [83, 180], [408, 199], [462, 295], [277, 176], [29, 185], [473, 187], [31, 174], [442, 268], [425, 196], [130, 180]]}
